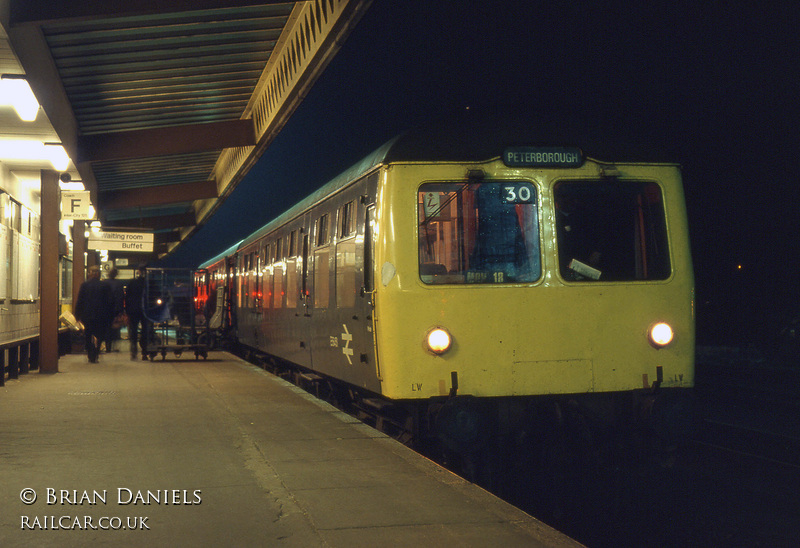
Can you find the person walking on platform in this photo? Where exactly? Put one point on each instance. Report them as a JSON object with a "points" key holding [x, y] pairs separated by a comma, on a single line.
{"points": [[94, 310], [134, 299], [118, 303]]}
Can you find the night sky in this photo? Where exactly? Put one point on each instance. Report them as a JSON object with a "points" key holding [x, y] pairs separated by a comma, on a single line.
{"points": [[712, 86]]}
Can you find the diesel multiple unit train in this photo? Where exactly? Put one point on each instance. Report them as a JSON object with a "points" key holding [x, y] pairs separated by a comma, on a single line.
{"points": [[466, 282]]}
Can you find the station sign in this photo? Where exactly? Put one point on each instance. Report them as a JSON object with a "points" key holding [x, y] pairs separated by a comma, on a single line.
{"points": [[121, 241], [76, 204]]}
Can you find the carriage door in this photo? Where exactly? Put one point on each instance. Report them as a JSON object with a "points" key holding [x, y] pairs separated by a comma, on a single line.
{"points": [[231, 320], [248, 328], [301, 354], [261, 296], [304, 285], [366, 300]]}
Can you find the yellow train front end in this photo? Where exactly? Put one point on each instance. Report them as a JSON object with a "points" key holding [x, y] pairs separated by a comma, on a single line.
{"points": [[537, 273]]}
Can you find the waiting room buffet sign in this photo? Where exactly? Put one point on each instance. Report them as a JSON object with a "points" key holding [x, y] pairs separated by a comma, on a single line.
{"points": [[121, 241]]}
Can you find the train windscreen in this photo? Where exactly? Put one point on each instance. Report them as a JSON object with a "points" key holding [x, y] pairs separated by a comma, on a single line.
{"points": [[484, 232], [611, 230]]}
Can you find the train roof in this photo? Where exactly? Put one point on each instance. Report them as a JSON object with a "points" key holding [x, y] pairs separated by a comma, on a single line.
{"points": [[357, 170], [480, 137], [228, 252], [468, 139]]}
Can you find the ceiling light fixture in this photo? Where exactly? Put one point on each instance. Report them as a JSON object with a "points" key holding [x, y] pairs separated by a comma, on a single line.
{"points": [[35, 151], [15, 91], [57, 156]]}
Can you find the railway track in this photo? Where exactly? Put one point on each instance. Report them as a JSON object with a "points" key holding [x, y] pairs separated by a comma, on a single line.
{"points": [[747, 452], [770, 447], [750, 407], [745, 483]]}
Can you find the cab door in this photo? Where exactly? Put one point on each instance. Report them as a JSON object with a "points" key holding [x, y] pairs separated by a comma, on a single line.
{"points": [[365, 304]]}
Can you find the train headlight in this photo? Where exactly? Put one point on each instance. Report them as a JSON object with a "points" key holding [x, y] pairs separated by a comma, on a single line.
{"points": [[438, 340], [661, 335]]}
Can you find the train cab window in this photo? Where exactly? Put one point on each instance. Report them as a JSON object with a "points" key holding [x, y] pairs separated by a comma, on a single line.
{"points": [[484, 232], [611, 230]]}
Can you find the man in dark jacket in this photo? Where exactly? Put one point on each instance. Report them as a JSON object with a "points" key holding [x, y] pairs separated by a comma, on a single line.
{"points": [[118, 301], [134, 297], [94, 309]]}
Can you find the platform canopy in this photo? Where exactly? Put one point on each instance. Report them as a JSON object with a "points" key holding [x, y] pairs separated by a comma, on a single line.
{"points": [[163, 106]]}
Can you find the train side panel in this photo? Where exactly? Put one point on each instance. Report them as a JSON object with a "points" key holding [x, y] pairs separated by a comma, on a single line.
{"points": [[304, 294], [284, 330], [272, 283], [339, 310], [247, 298]]}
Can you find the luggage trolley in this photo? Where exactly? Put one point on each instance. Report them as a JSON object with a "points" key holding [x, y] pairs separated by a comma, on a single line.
{"points": [[169, 309]]}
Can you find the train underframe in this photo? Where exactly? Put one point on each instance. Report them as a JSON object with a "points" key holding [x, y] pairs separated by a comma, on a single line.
{"points": [[496, 441]]}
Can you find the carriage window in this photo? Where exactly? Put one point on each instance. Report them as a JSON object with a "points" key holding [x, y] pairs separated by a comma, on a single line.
{"points": [[478, 232], [292, 251], [275, 274], [611, 231], [264, 277], [322, 230], [347, 224], [292, 288]]}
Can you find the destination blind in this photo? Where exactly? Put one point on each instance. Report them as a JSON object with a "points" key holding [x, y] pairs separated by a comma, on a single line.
{"points": [[543, 157]]}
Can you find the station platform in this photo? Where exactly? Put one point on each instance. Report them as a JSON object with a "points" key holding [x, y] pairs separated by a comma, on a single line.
{"points": [[218, 452]]}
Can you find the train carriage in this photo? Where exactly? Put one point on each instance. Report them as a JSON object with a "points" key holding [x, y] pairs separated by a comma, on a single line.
{"points": [[499, 269]]}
